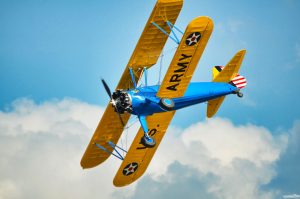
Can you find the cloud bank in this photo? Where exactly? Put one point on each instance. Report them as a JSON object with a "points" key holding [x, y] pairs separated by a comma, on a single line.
{"points": [[42, 144]]}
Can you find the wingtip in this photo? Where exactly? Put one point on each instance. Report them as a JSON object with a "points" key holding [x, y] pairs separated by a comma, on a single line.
{"points": [[243, 51], [116, 183]]}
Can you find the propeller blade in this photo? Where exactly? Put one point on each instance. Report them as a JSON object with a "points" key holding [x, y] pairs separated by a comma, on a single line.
{"points": [[106, 88], [109, 94]]}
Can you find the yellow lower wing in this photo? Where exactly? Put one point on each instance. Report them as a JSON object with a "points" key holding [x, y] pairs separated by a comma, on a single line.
{"points": [[109, 129], [138, 157]]}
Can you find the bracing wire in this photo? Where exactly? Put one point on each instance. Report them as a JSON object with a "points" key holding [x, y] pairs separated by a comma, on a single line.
{"points": [[126, 138], [161, 62], [132, 123], [160, 67], [126, 128], [122, 146]]}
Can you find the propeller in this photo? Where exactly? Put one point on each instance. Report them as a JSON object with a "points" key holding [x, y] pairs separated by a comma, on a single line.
{"points": [[112, 100], [106, 88]]}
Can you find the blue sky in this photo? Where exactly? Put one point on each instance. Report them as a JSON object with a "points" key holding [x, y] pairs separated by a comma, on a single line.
{"points": [[51, 50]]}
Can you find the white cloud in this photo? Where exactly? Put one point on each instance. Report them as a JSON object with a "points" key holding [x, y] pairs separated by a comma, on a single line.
{"points": [[292, 196], [41, 147], [8, 190], [242, 157]]}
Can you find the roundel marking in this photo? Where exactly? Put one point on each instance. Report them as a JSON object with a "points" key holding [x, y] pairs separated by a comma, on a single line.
{"points": [[130, 168], [193, 38]]}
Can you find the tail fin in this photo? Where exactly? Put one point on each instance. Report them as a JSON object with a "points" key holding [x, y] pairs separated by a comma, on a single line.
{"points": [[238, 81], [229, 73]]}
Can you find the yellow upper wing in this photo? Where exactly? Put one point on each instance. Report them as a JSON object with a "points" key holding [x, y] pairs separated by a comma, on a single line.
{"points": [[138, 157], [186, 58], [152, 41], [183, 65], [146, 53]]}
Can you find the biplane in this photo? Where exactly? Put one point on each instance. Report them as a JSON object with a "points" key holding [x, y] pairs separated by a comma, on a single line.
{"points": [[156, 105]]}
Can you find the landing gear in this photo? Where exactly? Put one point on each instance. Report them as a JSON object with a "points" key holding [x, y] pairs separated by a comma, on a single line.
{"points": [[240, 94], [147, 141]]}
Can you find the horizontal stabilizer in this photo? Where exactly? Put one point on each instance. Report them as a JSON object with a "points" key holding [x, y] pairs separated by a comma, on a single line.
{"points": [[213, 106]]}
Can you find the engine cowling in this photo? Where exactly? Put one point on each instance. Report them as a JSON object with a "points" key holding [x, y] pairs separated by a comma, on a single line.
{"points": [[122, 101]]}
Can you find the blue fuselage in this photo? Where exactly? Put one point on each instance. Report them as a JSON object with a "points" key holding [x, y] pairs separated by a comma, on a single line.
{"points": [[145, 102]]}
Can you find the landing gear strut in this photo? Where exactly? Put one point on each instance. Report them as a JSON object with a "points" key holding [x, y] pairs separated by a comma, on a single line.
{"points": [[146, 140], [240, 94]]}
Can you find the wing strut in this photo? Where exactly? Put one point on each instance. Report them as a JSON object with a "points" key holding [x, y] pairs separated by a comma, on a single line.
{"points": [[132, 77], [145, 74], [114, 147], [174, 37]]}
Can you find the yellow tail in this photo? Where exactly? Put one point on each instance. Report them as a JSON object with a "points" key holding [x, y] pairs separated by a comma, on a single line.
{"points": [[225, 74]]}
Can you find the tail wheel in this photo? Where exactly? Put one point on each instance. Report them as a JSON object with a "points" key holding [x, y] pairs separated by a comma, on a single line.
{"points": [[240, 94], [166, 103]]}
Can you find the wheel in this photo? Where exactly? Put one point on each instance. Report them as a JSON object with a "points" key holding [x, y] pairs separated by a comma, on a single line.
{"points": [[148, 141], [240, 94], [166, 103]]}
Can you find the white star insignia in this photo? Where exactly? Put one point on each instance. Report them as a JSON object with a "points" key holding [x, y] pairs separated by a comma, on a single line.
{"points": [[193, 39], [130, 169]]}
